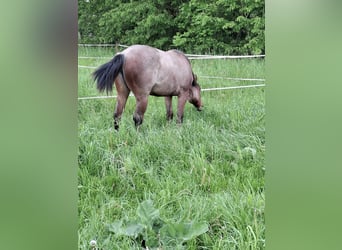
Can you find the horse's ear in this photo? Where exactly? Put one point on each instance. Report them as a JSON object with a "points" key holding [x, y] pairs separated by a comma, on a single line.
{"points": [[194, 82], [195, 78]]}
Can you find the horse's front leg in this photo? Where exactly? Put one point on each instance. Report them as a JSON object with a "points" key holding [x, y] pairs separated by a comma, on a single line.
{"points": [[168, 104], [123, 93], [182, 98], [140, 109]]}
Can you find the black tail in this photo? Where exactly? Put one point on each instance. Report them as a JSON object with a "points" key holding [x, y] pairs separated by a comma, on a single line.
{"points": [[106, 73]]}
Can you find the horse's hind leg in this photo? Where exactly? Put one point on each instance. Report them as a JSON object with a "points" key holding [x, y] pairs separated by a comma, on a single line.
{"points": [[140, 109], [123, 93], [168, 104]]}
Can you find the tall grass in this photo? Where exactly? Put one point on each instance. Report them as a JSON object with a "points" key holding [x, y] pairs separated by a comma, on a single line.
{"points": [[210, 168]]}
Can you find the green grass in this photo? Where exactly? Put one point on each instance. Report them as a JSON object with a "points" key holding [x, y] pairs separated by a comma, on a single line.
{"points": [[211, 168]]}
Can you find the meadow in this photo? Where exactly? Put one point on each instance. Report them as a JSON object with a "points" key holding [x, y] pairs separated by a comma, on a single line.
{"points": [[199, 185]]}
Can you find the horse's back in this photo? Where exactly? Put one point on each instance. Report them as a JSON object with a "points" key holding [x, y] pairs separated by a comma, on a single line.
{"points": [[141, 54], [149, 57], [155, 71], [178, 61]]}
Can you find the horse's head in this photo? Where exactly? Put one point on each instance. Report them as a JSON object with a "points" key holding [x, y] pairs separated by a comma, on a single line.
{"points": [[195, 94]]}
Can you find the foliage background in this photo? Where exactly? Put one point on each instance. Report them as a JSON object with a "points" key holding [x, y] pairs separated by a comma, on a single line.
{"points": [[195, 26]]}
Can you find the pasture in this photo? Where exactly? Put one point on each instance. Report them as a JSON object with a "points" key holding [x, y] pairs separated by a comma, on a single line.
{"points": [[208, 172]]}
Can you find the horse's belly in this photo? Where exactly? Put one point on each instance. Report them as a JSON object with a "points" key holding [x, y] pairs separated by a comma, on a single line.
{"points": [[164, 90]]}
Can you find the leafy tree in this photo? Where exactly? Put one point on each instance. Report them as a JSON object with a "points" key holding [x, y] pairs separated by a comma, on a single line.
{"points": [[89, 14], [198, 26], [138, 22], [223, 26]]}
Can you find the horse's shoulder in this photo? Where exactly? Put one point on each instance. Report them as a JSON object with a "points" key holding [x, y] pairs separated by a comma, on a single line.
{"points": [[179, 54]]}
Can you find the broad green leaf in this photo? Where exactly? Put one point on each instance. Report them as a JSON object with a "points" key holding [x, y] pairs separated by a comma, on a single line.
{"points": [[195, 229], [147, 213], [133, 229], [115, 227], [176, 233]]}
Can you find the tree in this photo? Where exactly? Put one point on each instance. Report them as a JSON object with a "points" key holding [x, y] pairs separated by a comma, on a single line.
{"points": [[89, 14], [230, 27], [221, 26]]}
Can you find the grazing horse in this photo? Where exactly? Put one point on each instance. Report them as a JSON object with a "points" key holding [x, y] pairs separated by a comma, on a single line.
{"points": [[149, 71]]}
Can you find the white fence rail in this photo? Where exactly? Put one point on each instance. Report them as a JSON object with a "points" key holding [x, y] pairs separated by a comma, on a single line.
{"points": [[190, 56]]}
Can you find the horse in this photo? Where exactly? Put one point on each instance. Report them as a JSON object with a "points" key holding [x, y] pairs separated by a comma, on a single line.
{"points": [[145, 71]]}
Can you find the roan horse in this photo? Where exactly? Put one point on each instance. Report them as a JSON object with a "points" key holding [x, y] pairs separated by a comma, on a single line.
{"points": [[149, 71]]}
